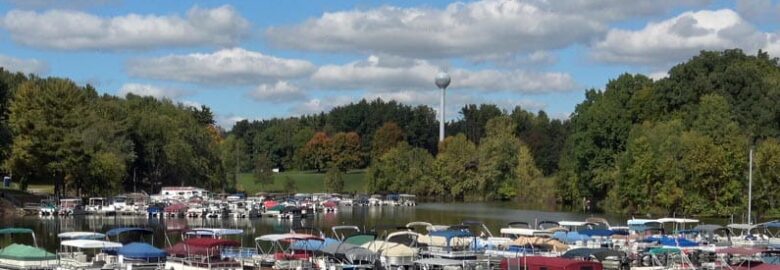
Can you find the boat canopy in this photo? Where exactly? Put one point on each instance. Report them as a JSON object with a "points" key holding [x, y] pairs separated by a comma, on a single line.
{"points": [[519, 224], [312, 244], [678, 220], [550, 243], [81, 235], [772, 224], [286, 237], [214, 232], [518, 231], [449, 234], [570, 237], [672, 241], [640, 221], [139, 250], [350, 251], [599, 253], [90, 244], [602, 232], [209, 242], [746, 227], [389, 249], [118, 231], [566, 223], [359, 239], [15, 231], [20, 252], [408, 238]]}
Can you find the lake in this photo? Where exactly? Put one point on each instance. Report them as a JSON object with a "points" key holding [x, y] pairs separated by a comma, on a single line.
{"points": [[494, 214]]}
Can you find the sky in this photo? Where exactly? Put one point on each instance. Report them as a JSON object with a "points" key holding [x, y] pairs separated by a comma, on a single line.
{"points": [[265, 59]]}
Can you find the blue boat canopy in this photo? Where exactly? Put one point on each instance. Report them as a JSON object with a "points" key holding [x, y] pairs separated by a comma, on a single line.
{"points": [[118, 231], [672, 241], [312, 244], [570, 237], [602, 232], [449, 234], [15, 231], [139, 250], [773, 224]]}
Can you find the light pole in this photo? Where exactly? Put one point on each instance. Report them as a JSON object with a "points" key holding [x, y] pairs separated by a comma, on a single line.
{"points": [[442, 81]]}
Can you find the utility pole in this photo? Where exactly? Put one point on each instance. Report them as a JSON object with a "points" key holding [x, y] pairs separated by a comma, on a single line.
{"points": [[750, 187]]}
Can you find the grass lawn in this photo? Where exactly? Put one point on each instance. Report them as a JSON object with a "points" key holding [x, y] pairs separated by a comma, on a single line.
{"points": [[307, 182]]}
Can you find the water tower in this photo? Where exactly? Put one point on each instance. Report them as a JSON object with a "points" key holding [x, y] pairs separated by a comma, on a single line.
{"points": [[442, 81]]}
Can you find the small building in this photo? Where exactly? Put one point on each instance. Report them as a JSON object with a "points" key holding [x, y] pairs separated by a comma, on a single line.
{"points": [[183, 193]]}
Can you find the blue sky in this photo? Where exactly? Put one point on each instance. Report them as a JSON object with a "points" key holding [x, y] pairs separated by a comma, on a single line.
{"points": [[264, 59]]}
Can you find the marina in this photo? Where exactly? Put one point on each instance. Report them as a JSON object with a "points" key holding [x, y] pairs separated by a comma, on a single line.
{"points": [[298, 232]]}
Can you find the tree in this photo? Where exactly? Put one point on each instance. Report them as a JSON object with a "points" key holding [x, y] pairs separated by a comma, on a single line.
{"points": [[316, 153], [344, 151], [528, 175], [263, 171], [456, 166], [334, 180], [233, 160], [385, 138], [403, 169], [497, 160], [766, 194]]}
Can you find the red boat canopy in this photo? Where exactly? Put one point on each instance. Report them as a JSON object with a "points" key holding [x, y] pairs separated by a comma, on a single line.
{"points": [[270, 204], [176, 207], [329, 204], [548, 263], [200, 247]]}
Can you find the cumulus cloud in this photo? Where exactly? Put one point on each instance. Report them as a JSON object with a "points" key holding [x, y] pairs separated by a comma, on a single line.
{"points": [[150, 90], [317, 105], [70, 4], [228, 66], [459, 30], [76, 30], [23, 65], [281, 91], [673, 40], [392, 73], [614, 10]]}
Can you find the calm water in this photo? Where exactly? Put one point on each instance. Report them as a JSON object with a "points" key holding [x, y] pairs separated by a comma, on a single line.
{"points": [[494, 215]]}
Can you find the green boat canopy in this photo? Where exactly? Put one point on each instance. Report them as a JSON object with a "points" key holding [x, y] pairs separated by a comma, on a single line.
{"points": [[660, 250], [25, 253], [15, 230]]}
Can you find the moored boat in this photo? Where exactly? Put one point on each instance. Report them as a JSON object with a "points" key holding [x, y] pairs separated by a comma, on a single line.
{"points": [[19, 256]]}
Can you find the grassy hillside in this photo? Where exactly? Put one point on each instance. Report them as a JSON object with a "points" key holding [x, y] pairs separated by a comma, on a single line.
{"points": [[307, 182]]}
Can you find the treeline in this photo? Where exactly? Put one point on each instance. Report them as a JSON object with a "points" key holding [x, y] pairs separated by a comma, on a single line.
{"points": [[680, 144], [56, 132]]}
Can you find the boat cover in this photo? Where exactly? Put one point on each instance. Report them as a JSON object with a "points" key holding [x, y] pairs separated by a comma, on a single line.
{"points": [[21, 252], [570, 237], [81, 235], [91, 244], [672, 241], [446, 238], [360, 239], [15, 230], [349, 251], [139, 250], [389, 249], [312, 244], [599, 253], [550, 243]]}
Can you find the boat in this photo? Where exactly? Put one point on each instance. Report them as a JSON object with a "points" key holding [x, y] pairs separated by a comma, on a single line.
{"points": [[448, 244], [48, 208], [176, 210], [201, 253], [407, 200], [137, 254], [80, 236], [182, 193], [19, 256], [276, 251], [71, 207], [348, 254], [72, 255], [100, 206], [396, 251]]}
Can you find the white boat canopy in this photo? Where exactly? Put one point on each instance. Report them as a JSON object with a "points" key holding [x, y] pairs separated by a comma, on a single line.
{"points": [[641, 221], [566, 223], [90, 244], [518, 231], [742, 226], [81, 235], [285, 236], [215, 231], [678, 220]]}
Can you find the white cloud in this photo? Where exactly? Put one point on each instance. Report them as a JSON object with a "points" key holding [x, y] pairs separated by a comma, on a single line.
{"points": [[281, 91], [615, 10], [459, 30], [317, 105], [228, 121], [23, 65], [150, 90], [228, 67], [670, 41], [393, 73], [76, 30]]}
